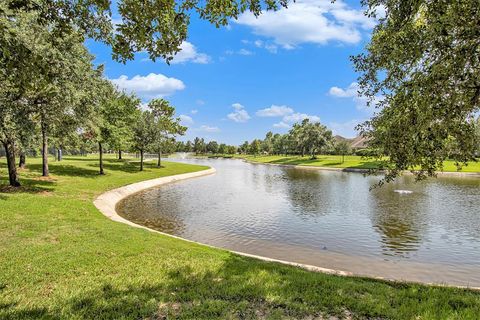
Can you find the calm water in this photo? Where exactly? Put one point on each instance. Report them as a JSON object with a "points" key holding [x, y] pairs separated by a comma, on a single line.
{"points": [[325, 218]]}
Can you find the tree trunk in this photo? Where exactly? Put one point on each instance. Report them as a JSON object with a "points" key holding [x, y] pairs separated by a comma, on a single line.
{"points": [[21, 163], [100, 151], [159, 163], [9, 146], [45, 171], [119, 154], [59, 154], [141, 160]]}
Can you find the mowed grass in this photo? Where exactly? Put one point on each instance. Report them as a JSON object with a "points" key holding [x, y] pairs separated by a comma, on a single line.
{"points": [[60, 258], [355, 162]]}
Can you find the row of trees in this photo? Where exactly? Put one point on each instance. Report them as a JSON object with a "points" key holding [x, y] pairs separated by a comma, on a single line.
{"points": [[50, 91], [303, 138], [200, 146]]}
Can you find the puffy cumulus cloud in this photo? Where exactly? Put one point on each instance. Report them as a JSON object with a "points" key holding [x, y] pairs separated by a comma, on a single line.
{"points": [[351, 91], [240, 114], [310, 21], [189, 53], [297, 117], [274, 111], [281, 125], [150, 86], [288, 115], [206, 128], [185, 120]]}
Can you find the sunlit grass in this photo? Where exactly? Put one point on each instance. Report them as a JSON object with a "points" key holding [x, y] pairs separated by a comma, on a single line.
{"points": [[61, 258], [354, 162]]}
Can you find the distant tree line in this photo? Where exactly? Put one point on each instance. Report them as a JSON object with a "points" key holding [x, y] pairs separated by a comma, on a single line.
{"points": [[200, 146], [304, 138]]}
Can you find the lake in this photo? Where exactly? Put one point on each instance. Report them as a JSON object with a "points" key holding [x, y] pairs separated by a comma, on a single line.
{"points": [[425, 231]]}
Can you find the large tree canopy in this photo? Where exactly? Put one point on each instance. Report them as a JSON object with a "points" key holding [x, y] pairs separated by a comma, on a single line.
{"points": [[422, 70], [156, 26]]}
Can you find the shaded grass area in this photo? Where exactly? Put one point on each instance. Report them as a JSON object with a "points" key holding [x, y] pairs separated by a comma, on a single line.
{"points": [[352, 162], [61, 258]]}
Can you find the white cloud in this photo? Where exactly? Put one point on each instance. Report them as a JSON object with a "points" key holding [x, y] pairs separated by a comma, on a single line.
{"points": [[189, 53], [194, 111], [297, 117], [150, 86], [244, 52], [281, 125], [288, 115], [349, 92], [274, 111], [240, 114], [207, 128], [345, 129], [185, 119], [310, 21], [352, 92], [200, 102]]}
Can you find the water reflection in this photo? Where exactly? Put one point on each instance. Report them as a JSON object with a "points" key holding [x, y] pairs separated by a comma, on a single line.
{"points": [[321, 217]]}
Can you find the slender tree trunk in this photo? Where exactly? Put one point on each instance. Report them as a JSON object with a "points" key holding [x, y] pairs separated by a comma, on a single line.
{"points": [[59, 154], [9, 146], [45, 171], [141, 160], [119, 154], [21, 162], [100, 151], [159, 163]]}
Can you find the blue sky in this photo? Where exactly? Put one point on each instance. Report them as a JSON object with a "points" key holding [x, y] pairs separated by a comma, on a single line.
{"points": [[257, 75]]}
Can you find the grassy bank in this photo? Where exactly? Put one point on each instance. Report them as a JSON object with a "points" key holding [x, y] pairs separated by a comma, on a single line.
{"points": [[333, 161], [61, 258]]}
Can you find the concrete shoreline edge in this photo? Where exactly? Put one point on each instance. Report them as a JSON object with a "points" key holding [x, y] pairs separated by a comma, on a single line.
{"points": [[107, 202]]}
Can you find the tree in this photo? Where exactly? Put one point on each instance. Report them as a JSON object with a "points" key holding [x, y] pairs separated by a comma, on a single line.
{"points": [[144, 133], [212, 147], [115, 111], [255, 147], [421, 70], [342, 148], [222, 148], [267, 145], [315, 136], [244, 147], [199, 145], [157, 27], [165, 126]]}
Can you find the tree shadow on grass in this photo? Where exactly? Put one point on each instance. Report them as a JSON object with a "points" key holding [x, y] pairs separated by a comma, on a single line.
{"points": [[245, 288], [60, 169], [28, 185]]}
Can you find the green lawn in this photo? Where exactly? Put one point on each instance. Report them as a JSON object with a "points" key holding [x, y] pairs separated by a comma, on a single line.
{"points": [[332, 161], [61, 258]]}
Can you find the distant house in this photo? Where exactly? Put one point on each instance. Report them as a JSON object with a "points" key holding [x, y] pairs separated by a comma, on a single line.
{"points": [[356, 143]]}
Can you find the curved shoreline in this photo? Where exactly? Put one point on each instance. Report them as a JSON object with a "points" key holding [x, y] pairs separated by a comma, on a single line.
{"points": [[360, 170], [106, 203]]}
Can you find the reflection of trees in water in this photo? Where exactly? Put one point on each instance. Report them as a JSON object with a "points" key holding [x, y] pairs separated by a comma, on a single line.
{"points": [[304, 191], [400, 220], [144, 209]]}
